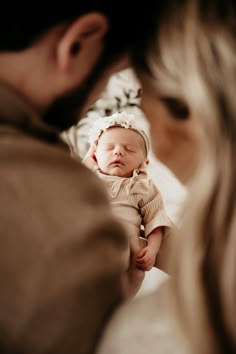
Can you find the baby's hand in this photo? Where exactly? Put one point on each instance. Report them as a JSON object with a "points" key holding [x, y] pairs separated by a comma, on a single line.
{"points": [[89, 159], [146, 258]]}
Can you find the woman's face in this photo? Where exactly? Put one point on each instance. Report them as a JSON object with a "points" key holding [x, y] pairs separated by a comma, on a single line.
{"points": [[175, 132]]}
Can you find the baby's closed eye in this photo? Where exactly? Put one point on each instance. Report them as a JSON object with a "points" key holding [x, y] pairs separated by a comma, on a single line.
{"points": [[107, 147], [130, 149]]}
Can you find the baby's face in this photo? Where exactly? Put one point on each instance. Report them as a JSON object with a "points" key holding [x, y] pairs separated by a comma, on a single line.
{"points": [[120, 151]]}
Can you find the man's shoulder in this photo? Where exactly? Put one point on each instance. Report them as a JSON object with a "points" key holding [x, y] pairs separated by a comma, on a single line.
{"points": [[44, 166], [43, 185]]}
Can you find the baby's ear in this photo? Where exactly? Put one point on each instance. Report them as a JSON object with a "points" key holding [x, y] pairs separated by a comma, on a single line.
{"points": [[94, 150], [147, 162]]}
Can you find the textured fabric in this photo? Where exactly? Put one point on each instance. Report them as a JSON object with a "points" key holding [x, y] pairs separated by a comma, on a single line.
{"points": [[136, 201], [62, 251], [118, 119]]}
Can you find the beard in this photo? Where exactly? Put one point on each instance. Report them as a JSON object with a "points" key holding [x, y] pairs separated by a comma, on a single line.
{"points": [[66, 110]]}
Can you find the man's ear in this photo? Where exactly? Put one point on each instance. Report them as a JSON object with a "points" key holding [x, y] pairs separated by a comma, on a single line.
{"points": [[81, 44]]}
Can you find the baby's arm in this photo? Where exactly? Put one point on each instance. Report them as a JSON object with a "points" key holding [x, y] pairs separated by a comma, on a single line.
{"points": [[135, 247], [147, 256]]}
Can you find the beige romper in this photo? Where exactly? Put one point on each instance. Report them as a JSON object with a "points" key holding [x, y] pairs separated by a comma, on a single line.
{"points": [[137, 201]]}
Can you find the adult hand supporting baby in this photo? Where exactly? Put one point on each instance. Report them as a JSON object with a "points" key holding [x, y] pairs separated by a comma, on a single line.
{"points": [[90, 159]]}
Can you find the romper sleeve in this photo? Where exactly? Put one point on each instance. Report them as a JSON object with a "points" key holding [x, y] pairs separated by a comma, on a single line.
{"points": [[152, 210]]}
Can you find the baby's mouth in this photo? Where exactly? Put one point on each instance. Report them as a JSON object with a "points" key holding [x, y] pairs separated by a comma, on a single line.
{"points": [[117, 163]]}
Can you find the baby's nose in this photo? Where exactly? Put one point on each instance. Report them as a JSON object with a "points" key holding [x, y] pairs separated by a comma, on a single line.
{"points": [[118, 151]]}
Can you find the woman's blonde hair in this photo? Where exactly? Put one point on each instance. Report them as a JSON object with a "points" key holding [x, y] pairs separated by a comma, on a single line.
{"points": [[193, 58]]}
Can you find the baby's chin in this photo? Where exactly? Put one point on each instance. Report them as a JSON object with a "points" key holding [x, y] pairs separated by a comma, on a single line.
{"points": [[119, 172]]}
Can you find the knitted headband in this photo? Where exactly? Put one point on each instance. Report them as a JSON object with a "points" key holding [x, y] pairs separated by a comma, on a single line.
{"points": [[120, 119]]}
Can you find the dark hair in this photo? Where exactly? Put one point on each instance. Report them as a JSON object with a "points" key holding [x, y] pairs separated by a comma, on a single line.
{"points": [[28, 22]]}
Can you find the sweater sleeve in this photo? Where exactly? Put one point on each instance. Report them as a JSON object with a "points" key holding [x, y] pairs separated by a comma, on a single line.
{"points": [[62, 251]]}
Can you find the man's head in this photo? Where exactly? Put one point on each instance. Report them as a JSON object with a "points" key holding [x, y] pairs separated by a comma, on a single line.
{"points": [[60, 59], [121, 145]]}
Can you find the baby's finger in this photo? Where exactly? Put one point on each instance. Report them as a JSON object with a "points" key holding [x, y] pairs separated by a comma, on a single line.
{"points": [[141, 253], [141, 261], [147, 265]]}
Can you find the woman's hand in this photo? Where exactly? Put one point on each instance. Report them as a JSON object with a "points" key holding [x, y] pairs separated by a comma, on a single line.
{"points": [[90, 159]]}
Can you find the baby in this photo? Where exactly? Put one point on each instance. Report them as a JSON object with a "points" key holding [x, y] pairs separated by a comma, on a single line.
{"points": [[119, 155]]}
